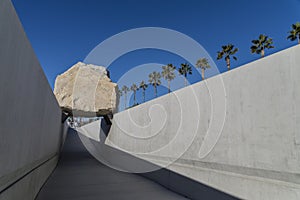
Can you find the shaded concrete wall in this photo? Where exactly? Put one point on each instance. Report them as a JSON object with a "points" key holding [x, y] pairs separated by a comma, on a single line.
{"points": [[254, 153], [30, 118]]}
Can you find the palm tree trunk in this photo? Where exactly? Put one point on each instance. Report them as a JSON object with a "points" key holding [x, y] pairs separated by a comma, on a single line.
{"points": [[262, 53], [155, 90], [228, 63], [169, 85], [185, 81], [202, 73], [298, 39], [144, 96]]}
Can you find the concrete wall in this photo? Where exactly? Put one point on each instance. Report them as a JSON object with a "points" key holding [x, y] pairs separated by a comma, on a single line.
{"points": [[243, 138], [30, 118]]}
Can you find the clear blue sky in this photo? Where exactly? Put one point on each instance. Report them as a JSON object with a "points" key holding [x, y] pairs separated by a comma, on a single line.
{"points": [[63, 32]]}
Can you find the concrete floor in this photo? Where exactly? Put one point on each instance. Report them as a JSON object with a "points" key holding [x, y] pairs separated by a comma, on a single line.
{"points": [[80, 176]]}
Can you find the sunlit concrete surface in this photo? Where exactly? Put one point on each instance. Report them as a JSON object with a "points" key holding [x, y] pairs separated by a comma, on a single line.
{"points": [[243, 139]]}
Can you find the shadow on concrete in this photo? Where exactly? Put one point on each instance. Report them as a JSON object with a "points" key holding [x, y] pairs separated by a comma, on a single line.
{"points": [[125, 162], [79, 176], [185, 186]]}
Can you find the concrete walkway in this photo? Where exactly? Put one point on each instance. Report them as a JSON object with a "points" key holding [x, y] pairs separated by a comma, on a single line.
{"points": [[80, 176]]}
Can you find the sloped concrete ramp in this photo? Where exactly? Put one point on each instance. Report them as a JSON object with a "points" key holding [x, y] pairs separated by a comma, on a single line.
{"points": [[80, 176]]}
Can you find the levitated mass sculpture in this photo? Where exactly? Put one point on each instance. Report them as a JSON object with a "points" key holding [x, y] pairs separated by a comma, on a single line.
{"points": [[86, 90]]}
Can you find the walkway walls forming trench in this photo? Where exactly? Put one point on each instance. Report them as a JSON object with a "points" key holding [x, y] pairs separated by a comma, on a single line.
{"points": [[242, 139], [30, 119]]}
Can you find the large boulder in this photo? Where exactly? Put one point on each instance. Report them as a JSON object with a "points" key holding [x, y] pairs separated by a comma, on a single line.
{"points": [[86, 90]]}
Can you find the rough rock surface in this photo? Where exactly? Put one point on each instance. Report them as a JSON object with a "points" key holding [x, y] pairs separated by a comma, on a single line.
{"points": [[86, 90]]}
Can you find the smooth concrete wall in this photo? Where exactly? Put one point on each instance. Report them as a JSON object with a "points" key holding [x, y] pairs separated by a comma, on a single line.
{"points": [[30, 118], [29, 186], [243, 139]]}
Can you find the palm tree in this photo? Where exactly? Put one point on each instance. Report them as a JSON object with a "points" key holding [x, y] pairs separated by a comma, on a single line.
{"points": [[184, 70], [259, 46], [168, 74], [203, 64], [295, 32], [154, 79], [125, 89], [227, 52], [134, 88], [143, 86], [120, 93]]}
